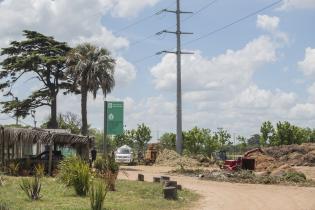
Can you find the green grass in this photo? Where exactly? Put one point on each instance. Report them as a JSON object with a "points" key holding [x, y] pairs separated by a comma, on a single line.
{"points": [[130, 195]]}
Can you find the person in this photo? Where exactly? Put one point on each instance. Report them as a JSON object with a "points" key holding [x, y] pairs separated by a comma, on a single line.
{"points": [[93, 154]]}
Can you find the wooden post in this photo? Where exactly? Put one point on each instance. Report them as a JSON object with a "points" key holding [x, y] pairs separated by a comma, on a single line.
{"points": [[164, 178], [156, 179], [179, 187], [140, 177], [170, 184], [170, 193], [3, 147], [50, 159], [21, 148]]}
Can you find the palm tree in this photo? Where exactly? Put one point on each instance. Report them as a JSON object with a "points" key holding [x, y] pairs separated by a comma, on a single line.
{"points": [[91, 68]]}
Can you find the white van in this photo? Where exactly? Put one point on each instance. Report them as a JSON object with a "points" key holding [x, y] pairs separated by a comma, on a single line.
{"points": [[123, 154]]}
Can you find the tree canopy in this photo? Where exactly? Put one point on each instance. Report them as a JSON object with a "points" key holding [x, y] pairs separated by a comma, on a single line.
{"points": [[44, 58]]}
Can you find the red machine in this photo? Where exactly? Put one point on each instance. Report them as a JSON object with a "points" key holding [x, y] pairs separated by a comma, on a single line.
{"points": [[244, 163]]}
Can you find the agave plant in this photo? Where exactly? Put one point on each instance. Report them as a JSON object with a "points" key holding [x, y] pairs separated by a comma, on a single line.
{"points": [[97, 196], [32, 188]]}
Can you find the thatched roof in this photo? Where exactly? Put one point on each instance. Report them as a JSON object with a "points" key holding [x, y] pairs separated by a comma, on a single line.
{"points": [[34, 135]]}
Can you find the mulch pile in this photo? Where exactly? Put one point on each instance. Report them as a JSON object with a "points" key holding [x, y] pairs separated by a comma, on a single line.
{"points": [[278, 160], [172, 159]]}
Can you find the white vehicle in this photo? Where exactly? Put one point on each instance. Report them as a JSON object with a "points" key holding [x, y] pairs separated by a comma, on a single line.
{"points": [[123, 154]]}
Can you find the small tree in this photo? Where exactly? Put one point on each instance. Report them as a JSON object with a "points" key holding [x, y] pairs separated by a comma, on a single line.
{"points": [[140, 136], [168, 141]]}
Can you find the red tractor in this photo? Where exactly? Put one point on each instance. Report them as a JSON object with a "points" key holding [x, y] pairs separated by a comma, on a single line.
{"points": [[245, 162]]}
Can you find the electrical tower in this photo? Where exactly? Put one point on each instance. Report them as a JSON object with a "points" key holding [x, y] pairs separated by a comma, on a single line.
{"points": [[178, 52]]}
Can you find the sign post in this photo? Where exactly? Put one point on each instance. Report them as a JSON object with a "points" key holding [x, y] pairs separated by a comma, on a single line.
{"points": [[113, 119]]}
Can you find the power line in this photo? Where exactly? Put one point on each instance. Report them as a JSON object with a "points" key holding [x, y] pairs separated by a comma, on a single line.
{"points": [[204, 7], [140, 20], [233, 23], [219, 29]]}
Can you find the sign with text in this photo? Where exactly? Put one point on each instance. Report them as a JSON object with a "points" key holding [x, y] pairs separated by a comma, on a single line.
{"points": [[114, 117]]}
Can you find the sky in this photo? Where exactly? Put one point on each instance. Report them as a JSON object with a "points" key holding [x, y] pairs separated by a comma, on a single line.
{"points": [[260, 68]]}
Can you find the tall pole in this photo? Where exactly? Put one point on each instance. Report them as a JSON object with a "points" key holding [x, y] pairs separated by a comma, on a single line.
{"points": [[179, 133], [178, 32]]}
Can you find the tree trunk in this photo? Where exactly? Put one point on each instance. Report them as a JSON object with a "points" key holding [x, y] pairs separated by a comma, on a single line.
{"points": [[53, 113], [84, 129]]}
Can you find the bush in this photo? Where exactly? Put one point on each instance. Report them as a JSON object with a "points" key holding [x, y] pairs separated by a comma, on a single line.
{"points": [[40, 170], [296, 177], [75, 172], [97, 196], [31, 188], [14, 168], [108, 169]]}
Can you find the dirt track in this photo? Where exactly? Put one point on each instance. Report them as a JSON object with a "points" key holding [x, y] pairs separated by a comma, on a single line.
{"points": [[228, 196]]}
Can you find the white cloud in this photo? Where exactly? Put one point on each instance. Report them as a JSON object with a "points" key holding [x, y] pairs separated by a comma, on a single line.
{"points": [[123, 8], [71, 21], [230, 71], [125, 72], [267, 22], [297, 4], [308, 64]]}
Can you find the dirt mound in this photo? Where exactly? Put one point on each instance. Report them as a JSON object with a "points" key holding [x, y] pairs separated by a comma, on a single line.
{"points": [[282, 170], [295, 155], [171, 158], [264, 162]]}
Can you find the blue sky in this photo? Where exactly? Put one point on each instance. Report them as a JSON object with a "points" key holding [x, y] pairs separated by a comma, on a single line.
{"points": [[260, 69]]}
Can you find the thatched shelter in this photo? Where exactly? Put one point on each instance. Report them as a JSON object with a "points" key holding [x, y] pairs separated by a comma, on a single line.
{"points": [[18, 142]]}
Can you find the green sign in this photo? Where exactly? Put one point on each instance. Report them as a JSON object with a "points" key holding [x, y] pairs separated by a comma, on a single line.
{"points": [[114, 117]]}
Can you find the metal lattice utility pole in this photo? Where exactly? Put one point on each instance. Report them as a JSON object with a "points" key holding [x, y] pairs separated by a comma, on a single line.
{"points": [[179, 133]]}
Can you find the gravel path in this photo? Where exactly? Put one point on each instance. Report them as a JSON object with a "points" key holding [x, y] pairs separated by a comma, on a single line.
{"points": [[231, 196]]}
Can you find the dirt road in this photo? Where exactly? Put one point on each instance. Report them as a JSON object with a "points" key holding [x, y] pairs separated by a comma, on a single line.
{"points": [[228, 196]]}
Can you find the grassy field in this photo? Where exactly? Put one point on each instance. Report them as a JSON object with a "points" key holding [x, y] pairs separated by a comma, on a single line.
{"points": [[130, 195]]}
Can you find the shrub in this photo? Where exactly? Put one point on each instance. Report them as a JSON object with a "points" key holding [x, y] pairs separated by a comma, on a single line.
{"points": [[31, 188], [75, 172], [14, 168], [294, 177], [97, 196], [108, 169], [40, 170]]}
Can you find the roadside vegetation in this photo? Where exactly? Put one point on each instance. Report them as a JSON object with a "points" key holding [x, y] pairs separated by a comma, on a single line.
{"points": [[129, 195]]}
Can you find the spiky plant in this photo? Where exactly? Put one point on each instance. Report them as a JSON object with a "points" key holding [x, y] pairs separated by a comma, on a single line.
{"points": [[32, 188], [97, 196]]}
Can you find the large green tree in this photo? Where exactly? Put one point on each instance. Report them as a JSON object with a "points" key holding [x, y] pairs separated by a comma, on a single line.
{"points": [[91, 68], [44, 58]]}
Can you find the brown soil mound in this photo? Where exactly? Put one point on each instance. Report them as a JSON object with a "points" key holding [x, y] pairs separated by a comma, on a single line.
{"points": [[295, 155], [171, 158], [264, 162], [282, 170]]}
